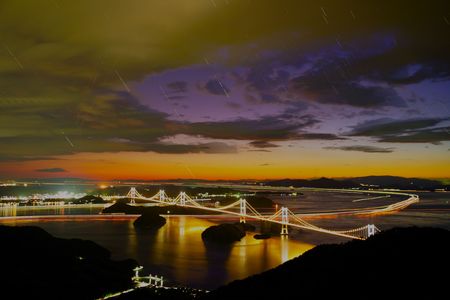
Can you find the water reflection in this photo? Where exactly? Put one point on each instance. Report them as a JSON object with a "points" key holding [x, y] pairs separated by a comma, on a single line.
{"points": [[180, 254], [217, 257], [8, 211], [14, 210], [177, 251], [284, 248]]}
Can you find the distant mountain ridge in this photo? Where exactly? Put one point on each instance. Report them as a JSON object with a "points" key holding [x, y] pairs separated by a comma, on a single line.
{"points": [[385, 182], [399, 182], [315, 183]]}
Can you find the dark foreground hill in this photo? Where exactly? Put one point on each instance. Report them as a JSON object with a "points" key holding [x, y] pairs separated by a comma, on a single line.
{"points": [[407, 263], [36, 265]]}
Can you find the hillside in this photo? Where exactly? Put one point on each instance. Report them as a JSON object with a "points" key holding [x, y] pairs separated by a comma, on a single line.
{"points": [[37, 265], [406, 262]]}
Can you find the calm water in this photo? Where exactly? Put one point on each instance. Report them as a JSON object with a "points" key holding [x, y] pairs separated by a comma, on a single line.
{"points": [[177, 251]]}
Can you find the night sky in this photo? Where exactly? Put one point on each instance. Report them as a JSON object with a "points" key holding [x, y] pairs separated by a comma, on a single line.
{"points": [[224, 89]]}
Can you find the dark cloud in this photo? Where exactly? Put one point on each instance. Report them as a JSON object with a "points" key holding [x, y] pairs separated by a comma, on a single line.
{"points": [[23, 158], [414, 73], [270, 128], [115, 121], [51, 170], [330, 75], [233, 105], [65, 79], [99, 124], [59, 146], [384, 127], [263, 144], [212, 147], [362, 148], [177, 86], [263, 82], [216, 87], [319, 136], [433, 136], [332, 78], [318, 89], [259, 150], [175, 97], [404, 131]]}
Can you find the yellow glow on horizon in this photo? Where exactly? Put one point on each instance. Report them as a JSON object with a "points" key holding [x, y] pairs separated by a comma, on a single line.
{"points": [[282, 163]]}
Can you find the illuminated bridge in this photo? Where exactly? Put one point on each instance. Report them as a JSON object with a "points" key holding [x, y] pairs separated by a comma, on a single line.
{"points": [[242, 209]]}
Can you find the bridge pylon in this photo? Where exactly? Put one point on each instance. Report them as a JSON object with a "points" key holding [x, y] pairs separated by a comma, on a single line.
{"points": [[370, 230], [136, 271], [242, 210], [284, 221], [162, 196], [132, 194], [182, 198]]}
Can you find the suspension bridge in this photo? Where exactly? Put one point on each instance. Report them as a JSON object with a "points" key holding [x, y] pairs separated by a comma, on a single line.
{"points": [[242, 209]]}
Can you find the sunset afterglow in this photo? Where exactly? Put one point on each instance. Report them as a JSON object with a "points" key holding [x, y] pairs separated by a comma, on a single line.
{"points": [[223, 90]]}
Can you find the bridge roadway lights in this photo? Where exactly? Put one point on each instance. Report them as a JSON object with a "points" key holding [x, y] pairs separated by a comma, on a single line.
{"points": [[284, 221], [183, 199]]}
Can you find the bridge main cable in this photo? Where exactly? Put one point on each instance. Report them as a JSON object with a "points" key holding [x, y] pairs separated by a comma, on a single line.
{"points": [[281, 217]]}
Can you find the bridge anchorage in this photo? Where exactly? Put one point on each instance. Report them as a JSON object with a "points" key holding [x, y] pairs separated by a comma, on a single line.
{"points": [[242, 209], [144, 281]]}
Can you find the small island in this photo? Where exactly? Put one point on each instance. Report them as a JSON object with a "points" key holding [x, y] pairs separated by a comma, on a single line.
{"points": [[89, 199], [123, 207], [149, 220], [223, 233], [262, 236]]}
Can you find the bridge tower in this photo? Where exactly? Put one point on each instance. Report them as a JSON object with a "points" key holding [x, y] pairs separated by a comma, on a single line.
{"points": [[162, 196], [242, 210], [284, 220], [136, 271], [370, 230], [182, 198], [133, 195]]}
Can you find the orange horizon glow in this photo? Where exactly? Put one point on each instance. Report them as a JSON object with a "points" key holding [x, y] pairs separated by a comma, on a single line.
{"points": [[152, 166]]}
